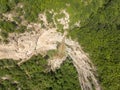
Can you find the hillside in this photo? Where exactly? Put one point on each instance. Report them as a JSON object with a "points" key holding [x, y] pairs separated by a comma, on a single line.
{"points": [[59, 45]]}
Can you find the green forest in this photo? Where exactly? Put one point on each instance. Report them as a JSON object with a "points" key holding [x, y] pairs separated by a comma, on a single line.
{"points": [[99, 35], [33, 75]]}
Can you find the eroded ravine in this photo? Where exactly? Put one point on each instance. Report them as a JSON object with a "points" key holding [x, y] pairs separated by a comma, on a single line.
{"points": [[40, 40]]}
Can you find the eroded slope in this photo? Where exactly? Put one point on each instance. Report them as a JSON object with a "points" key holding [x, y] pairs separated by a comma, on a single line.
{"points": [[41, 39]]}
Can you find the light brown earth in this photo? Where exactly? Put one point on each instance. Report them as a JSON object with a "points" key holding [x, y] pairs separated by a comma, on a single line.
{"points": [[40, 40]]}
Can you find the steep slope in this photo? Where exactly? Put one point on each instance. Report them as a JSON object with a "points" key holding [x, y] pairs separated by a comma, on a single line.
{"points": [[41, 40]]}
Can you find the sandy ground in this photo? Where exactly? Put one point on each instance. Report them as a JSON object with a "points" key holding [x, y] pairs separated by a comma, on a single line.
{"points": [[40, 40]]}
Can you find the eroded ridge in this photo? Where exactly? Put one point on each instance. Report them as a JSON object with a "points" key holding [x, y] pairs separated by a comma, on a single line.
{"points": [[85, 68], [40, 40]]}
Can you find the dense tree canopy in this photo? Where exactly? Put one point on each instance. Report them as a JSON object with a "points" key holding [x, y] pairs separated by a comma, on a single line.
{"points": [[99, 35], [32, 75]]}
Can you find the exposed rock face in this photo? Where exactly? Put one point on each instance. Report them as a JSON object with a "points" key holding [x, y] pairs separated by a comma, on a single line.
{"points": [[25, 45], [40, 40], [64, 21]]}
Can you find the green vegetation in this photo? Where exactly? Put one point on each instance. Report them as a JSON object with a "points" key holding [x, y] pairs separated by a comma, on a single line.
{"points": [[99, 34], [9, 27], [32, 75], [7, 5]]}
